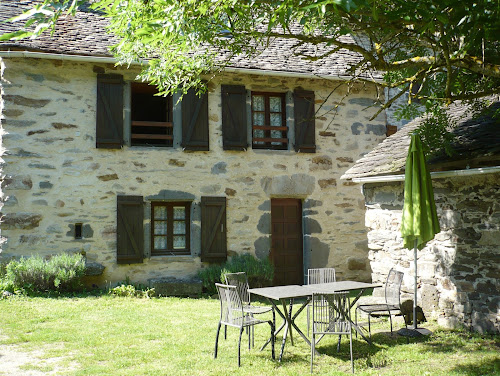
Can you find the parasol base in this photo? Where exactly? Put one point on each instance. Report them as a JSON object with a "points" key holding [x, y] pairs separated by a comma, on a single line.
{"points": [[413, 333]]}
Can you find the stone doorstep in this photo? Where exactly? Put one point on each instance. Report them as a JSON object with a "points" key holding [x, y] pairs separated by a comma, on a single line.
{"points": [[175, 287]]}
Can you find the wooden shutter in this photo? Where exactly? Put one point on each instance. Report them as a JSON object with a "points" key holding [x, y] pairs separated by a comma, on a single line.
{"points": [[305, 132], [109, 111], [213, 229], [234, 117], [129, 230], [195, 121]]}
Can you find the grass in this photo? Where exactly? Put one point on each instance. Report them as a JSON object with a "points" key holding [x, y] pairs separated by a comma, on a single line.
{"points": [[104, 335]]}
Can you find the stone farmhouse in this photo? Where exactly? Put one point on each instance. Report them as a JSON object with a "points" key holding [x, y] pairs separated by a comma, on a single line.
{"points": [[459, 271], [149, 187]]}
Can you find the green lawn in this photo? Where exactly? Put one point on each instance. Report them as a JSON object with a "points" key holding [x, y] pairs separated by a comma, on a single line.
{"points": [[170, 336]]}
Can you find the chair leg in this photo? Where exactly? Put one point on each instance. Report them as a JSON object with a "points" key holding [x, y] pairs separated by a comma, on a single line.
{"points": [[356, 320], [239, 347], [217, 340], [273, 328], [390, 320], [338, 343], [308, 319], [350, 349], [369, 326], [225, 332], [313, 345]]}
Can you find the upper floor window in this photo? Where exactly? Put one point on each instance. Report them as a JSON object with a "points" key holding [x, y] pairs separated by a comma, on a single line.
{"points": [[269, 129], [151, 117]]}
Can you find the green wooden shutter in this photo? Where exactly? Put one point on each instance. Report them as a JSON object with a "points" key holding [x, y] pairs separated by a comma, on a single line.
{"points": [[213, 229], [109, 111], [304, 113], [195, 121], [129, 230], [234, 117]]}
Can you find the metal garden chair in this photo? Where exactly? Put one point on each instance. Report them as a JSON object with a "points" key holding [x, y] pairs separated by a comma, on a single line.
{"points": [[330, 315], [318, 275], [240, 280], [392, 305], [232, 314]]}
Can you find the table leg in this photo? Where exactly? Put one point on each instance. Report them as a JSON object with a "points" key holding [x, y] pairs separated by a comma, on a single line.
{"points": [[292, 321], [277, 330]]}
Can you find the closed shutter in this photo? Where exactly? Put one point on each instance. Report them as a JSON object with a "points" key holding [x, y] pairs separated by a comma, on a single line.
{"points": [[109, 111], [213, 229], [129, 230], [234, 117], [305, 132], [195, 121]]}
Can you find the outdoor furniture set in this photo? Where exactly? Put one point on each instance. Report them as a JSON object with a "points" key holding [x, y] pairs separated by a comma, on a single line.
{"points": [[329, 301]]}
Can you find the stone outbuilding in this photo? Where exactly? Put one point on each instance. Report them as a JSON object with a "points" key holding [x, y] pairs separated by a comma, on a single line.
{"points": [[150, 187], [458, 271]]}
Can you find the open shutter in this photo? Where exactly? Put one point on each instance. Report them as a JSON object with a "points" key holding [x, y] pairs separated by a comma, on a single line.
{"points": [[195, 121], [109, 111], [305, 132], [234, 117], [130, 231], [213, 229]]}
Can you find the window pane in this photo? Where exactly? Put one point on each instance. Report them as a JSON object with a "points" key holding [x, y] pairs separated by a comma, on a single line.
{"points": [[275, 104], [179, 212], [258, 118], [160, 242], [258, 133], [179, 227], [276, 120], [276, 134], [160, 212], [258, 103], [179, 242], [160, 228]]}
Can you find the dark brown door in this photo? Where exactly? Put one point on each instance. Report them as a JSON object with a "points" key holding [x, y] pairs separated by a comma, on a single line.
{"points": [[286, 241]]}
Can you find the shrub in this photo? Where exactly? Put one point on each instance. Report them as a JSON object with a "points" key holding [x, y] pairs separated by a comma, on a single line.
{"points": [[61, 273], [259, 272], [131, 291]]}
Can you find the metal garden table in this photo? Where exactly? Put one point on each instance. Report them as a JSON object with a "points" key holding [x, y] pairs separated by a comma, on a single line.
{"points": [[284, 294]]}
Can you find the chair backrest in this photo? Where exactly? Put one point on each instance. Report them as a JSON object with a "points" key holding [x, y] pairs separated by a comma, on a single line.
{"points": [[320, 275], [331, 313], [239, 280], [393, 287], [231, 309]]}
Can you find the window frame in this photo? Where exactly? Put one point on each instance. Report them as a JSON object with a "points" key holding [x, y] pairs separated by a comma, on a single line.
{"points": [[168, 137], [267, 128], [170, 226]]}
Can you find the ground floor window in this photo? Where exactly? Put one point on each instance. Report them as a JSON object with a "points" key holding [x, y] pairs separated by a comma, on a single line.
{"points": [[170, 223]]}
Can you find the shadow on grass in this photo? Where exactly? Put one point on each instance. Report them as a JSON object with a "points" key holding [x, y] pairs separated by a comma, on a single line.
{"points": [[480, 368]]}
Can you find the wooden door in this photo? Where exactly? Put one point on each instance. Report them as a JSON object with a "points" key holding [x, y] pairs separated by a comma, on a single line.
{"points": [[286, 241]]}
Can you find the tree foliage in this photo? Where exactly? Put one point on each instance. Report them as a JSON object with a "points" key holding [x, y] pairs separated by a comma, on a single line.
{"points": [[435, 51]]}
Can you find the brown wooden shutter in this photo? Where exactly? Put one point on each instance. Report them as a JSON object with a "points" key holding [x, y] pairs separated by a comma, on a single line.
{"points": [[213, 229], [195, 121], [305, 132], [234, 117], [129, 230], [109, 111]]}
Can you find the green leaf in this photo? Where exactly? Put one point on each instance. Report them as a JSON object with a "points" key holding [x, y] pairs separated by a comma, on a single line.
{"points": [[15, 35]]}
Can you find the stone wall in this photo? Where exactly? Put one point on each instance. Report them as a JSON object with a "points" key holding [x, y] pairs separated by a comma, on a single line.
{"points": [[458, 271], [54, 177]]}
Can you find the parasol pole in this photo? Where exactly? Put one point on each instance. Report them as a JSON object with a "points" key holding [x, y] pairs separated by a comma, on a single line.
{"points": [[415, 293]]}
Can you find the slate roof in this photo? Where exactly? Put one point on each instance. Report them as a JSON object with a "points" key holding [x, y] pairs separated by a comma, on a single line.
{"points": [[85, 35], [477, 144]]}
